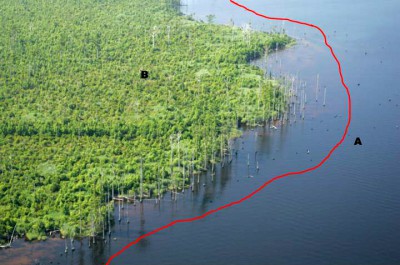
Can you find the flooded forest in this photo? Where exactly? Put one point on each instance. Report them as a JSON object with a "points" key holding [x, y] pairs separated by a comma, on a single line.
{"points": [[80, 128]]}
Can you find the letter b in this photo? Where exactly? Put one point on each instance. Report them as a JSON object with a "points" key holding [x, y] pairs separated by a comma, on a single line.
{"points": [[144, 74]]}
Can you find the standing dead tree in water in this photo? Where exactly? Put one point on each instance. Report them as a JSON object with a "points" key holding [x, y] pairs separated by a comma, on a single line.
{"points": [[154, 35], [168, 34], [192, 172], [175, 144], [317, 89], [8, 245], [247, 33], [108, 210], [178, 138], [183, 172], [222, 151], [141, 179], [171, 139], [158, 198]]}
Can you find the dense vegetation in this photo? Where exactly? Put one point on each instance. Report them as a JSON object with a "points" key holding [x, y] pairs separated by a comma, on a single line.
{"points": [[76, 119]]}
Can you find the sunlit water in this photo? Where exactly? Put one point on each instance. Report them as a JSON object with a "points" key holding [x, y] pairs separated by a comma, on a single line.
{"points": [[346, 212]]}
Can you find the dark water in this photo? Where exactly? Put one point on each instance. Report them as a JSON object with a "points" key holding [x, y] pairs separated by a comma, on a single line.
{"points": [[346, 212]]}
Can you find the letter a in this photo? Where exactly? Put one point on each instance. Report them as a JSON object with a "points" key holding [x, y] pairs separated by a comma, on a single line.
{"points": [[144, 74], [358, 141]]}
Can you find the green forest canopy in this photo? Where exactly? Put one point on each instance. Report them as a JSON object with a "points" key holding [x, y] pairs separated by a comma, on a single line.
{"points": [[77, 119]]}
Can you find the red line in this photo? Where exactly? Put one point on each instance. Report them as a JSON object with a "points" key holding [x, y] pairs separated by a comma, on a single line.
{"points": [[187, 220]]}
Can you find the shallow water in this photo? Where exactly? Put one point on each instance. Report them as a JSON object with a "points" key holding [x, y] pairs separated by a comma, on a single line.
{"points": [[346, 212]]}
